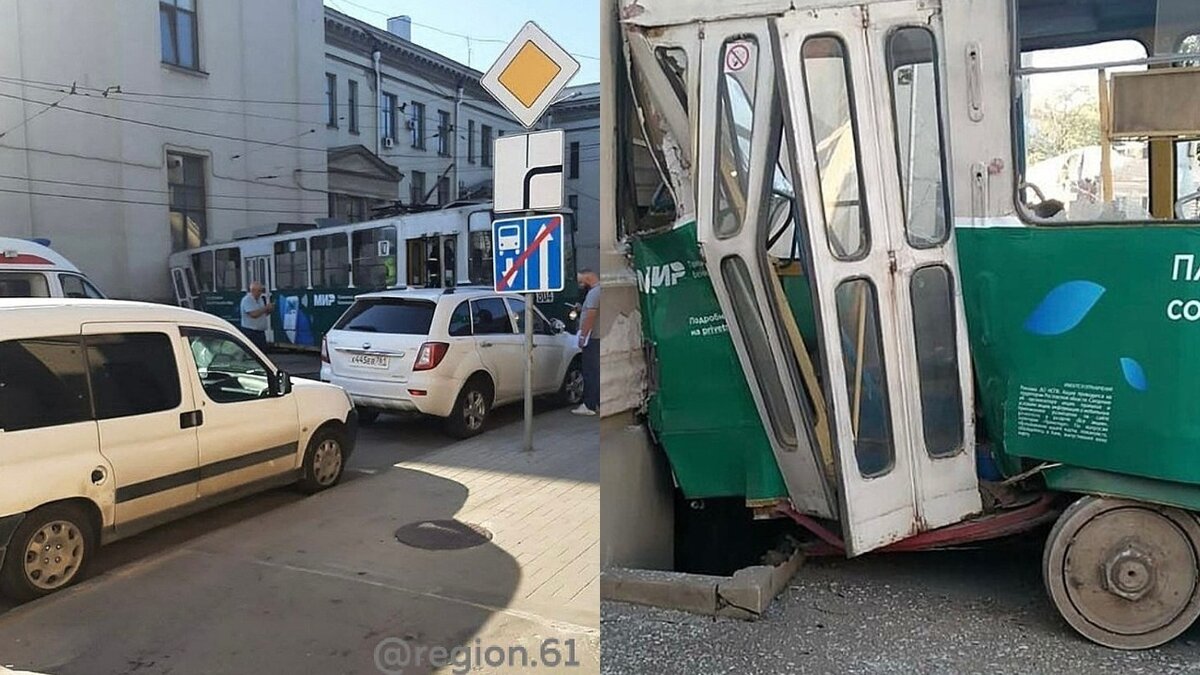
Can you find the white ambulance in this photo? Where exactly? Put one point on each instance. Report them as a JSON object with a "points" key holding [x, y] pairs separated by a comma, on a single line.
{"points": [[31, 269]]}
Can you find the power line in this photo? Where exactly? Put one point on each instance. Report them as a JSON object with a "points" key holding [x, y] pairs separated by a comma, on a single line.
{"points": [[110, 200], [155, 191], [468, 38]]}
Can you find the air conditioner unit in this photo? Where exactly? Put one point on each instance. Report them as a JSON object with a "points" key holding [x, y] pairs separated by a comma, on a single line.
{"points": [[389, 142]]}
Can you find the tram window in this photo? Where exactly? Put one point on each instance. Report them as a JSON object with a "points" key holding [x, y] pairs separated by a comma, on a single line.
{"points": [[912, 59], [229, 269], [450, 261], [375, 257], [291, 264], [835, 137], [932, 293], [735, 122], [674, 63], [479, 266], [330, 261], [754, 333], [866, 377], [203, 262]]}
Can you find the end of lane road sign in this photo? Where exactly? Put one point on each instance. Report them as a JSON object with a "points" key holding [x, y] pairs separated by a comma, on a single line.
{"points": [[527, 254]]}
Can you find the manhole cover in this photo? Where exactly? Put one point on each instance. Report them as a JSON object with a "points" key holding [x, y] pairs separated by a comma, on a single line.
{"points": [[442, 535]]}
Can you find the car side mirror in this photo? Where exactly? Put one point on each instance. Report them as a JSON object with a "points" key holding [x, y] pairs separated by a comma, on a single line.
{"points": [[281, 384], [558, 326]]}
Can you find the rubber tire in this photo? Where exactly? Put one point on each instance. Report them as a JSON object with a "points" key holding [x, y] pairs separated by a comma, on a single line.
{"points": [[13, 583], [455, 425], [308, 480], [564, 398], [367, 416]]}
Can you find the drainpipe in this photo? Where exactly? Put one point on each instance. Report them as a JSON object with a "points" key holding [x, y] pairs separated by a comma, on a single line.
{"points": [[375, 58], [458, 98]]}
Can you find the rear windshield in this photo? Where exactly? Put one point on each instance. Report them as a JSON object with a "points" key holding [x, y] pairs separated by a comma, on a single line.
{"points": [[23, 285], [388, 315]]}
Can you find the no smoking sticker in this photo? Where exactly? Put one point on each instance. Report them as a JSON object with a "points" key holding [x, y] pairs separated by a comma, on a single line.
{"points": [[737, 57]]}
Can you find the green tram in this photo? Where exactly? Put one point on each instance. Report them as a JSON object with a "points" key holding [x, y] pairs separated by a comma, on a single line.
{"points": [[312, 273], [941, 262]]}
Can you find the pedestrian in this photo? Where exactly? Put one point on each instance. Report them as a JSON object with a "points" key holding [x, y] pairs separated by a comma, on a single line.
{"points": [[256, 315], [589, 287]]}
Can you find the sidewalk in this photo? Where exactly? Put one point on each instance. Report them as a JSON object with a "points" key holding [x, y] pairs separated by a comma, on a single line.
{"points": [[322, 585]]}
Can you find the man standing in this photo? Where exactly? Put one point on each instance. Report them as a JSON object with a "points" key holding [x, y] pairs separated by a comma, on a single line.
{"points": [[589, 286], [256, 315]]}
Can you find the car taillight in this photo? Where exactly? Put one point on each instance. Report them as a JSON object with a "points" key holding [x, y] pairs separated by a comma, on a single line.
{"points": [[431, 355], [324, 350]]}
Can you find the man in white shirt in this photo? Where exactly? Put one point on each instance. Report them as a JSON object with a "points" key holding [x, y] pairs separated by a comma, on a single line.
{"points": [[256, 315]]}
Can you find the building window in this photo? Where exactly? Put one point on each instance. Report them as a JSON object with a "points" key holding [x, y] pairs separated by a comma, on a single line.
{"points": [[471, 141], [347, 208], [443, 133], [180, 36], [573, 203], [485, 144], [418, 187], [417, 125], [573, 158], [387, 116], [443, 190], [352, 104], [331, 100], [185, 182]]}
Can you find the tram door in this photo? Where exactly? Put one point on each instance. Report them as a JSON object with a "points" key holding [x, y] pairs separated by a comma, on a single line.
{"points": [[258, 268], [865, 104]]}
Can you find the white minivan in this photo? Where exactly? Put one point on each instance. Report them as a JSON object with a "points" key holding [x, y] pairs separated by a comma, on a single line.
{"points": [[29, 269], [117, 416]]}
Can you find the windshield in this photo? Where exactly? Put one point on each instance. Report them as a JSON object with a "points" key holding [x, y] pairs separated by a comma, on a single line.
{"points": [[23, 285], [389, 315]]}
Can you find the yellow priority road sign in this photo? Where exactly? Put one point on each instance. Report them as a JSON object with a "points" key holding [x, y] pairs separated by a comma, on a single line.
{"points": [[530, 72]]}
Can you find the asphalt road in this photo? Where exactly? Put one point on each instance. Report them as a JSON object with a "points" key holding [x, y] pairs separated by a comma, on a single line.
{"points": [[976, 611], [391, 440]]}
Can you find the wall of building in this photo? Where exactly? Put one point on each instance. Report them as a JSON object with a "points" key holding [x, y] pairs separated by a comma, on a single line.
{"points": [[113, 162]]}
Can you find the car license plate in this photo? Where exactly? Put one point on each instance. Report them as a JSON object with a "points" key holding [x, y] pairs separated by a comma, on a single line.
{"points": [[370, 360]]}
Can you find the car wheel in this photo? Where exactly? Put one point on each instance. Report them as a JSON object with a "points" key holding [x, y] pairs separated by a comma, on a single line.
{"points": [[471, 410], [49, 551], [571, 392], [324, 461], [367, 416]]}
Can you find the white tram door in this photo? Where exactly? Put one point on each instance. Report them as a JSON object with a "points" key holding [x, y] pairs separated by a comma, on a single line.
{"points": [[183, 280], [258, 268], [866, 100]]}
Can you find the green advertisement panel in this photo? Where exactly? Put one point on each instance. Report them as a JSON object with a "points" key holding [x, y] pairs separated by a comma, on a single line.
{"points": [[301, 317], [1086, 345], [701, 410]]}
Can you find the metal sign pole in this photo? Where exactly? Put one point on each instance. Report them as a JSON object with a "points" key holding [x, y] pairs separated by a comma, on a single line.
{"points": [[529, 297]]}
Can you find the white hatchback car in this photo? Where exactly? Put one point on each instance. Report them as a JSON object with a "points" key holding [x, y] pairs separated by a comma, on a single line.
{"points": [[451, 353], [118, 416]]}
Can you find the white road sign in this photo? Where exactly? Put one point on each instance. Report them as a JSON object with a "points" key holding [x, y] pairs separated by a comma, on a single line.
{"points": [[530, 72], [528, 174]]}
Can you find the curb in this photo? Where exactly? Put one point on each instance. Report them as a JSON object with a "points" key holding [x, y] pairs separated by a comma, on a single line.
{"points": [[745, 595]]}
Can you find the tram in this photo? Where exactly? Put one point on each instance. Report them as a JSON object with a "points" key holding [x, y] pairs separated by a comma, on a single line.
{"points": [[941, 262], [312, 273]]}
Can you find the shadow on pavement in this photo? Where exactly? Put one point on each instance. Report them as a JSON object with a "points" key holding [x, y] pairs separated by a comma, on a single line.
{"points": [[315, 585]]}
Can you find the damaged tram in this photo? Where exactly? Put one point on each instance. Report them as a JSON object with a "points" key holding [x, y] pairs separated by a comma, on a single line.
{"points": [[941, 262]]}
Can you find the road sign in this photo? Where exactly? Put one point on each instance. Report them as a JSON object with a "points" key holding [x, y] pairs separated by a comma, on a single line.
{"points": [[530, 72], [528, 174], [528, 254]]}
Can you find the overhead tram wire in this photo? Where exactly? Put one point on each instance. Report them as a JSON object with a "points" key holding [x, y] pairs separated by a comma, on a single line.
{"points": [[97, 186], [165, 205]]}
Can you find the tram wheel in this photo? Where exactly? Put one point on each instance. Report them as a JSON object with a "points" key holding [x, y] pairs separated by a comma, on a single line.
{"points": [[1124, 573]]}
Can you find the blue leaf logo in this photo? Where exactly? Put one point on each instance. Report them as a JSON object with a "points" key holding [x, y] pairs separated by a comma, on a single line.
{"points": [[1134, 374], [1064, 307]]}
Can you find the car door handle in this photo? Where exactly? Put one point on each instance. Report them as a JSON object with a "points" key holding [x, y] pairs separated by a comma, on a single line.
{"points": [[486, 344], [191, 419]]}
